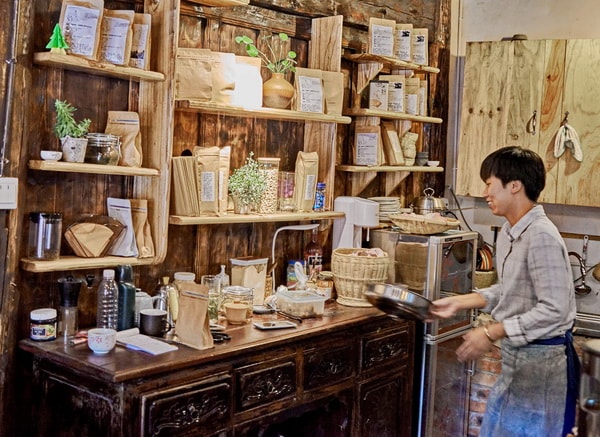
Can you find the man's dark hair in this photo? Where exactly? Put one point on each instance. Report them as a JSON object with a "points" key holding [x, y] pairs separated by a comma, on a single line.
{"points": [[514, 163]]}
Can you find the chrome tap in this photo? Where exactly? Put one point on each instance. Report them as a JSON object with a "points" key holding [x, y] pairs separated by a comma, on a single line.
{"points": [[582, 288]]}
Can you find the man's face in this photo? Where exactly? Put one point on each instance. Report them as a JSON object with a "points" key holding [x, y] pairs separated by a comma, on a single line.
{"points": [[497, 196]]}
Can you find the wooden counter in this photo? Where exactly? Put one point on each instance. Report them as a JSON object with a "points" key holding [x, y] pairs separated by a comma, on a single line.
{"points": [[348, 372]]}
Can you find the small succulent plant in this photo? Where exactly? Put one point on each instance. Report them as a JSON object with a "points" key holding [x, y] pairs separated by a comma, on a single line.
{"points": [[66, 125]]}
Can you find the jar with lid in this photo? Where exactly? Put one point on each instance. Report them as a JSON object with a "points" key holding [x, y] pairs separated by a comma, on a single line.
{"points": [[45, 233], [236, 295], [42, 323], [103, 149], [269, 167], [325, 285]]}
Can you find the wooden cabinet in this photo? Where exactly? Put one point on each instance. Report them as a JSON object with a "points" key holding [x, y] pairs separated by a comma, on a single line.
{"points": [[518, 93], [365, 68], [349, 372]]}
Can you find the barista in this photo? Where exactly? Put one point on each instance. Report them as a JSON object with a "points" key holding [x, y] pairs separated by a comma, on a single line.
{"points": [[533, 304]]}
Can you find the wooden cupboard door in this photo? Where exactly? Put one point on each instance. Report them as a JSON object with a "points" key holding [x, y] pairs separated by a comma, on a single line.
{"points": [[503, 88], [576, 182]]}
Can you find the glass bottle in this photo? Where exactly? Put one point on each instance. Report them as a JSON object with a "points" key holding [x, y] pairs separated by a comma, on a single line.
{"points": [[108, 301], [313, 256], [126, 300]]}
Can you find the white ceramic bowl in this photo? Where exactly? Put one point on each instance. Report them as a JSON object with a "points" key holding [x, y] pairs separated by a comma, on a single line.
{"points": [[50, 155], [433, 163], [102, 340]]}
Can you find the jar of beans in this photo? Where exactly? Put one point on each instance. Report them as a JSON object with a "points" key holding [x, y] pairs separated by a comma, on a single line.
{"points": [[268, 201]]}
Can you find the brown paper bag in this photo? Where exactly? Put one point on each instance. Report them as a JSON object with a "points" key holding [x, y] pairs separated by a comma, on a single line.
{"points": [[333, 89], [141, 227], [126, 125], [193, 77], [115, 36], [80, 21], [307, 172], [193, 326]]}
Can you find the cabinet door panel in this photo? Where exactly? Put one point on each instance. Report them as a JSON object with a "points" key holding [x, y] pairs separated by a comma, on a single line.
{"points": [[581, 97]]}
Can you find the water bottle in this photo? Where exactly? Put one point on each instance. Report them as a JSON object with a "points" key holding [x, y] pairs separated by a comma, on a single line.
{"points": [[108, 301], [126, 305]]}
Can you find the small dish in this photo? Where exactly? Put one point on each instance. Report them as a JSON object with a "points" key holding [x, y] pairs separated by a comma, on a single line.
{"points": [[433, 163], [50, 155]]}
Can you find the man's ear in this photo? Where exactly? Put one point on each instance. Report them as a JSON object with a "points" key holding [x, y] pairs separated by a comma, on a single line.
{"points": [[515, 186]]}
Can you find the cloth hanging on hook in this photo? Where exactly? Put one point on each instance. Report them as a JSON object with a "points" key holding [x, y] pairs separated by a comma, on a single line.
{"points": [[567, 138]]}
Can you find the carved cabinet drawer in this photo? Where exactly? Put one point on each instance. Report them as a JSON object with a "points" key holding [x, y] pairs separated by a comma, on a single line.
{"points": [[200, 408], [386, 347], [328, 365], [261, 383]]}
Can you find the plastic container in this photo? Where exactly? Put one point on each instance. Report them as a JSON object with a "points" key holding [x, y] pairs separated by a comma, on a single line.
{"points": [[269, 167], [42, 323], [45, 233], [301, 303]]}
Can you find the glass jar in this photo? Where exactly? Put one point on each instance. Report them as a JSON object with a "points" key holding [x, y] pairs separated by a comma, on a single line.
{"points": [[103, 149], [45, 233], [269, 167], [42, 323], [235, 295]]}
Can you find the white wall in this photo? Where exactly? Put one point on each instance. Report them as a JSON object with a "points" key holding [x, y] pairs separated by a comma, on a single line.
{"points": [[492, 20]]}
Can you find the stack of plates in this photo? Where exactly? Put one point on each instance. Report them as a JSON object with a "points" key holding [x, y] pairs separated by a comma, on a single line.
{"points": [[387, 205]]}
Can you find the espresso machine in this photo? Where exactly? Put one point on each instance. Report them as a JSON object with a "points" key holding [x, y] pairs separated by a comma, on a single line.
{"points": [[359, 213]]}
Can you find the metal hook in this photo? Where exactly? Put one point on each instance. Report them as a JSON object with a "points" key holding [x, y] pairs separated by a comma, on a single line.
{"points": [[532, 123]]}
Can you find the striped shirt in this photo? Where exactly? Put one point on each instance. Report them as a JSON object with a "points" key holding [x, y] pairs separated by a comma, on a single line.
{"points": [[534, 297]]}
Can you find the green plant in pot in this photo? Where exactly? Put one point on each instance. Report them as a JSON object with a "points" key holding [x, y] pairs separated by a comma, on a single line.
{"points": [[246, 185], [70, 131], [277, 91]]}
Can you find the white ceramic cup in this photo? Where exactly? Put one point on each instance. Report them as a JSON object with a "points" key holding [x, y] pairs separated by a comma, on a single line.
{"points": [[102, 340]]}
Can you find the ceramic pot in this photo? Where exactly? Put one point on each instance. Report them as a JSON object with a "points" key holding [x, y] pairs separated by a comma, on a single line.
{"points": [[73, 149], [240, 207], [277, 92]]}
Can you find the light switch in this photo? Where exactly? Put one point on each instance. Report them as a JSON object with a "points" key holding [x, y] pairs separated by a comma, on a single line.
{"points": [[8, 193]]}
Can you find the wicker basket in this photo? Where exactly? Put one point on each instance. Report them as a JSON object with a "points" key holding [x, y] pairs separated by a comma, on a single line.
{"points": [[415, 224], [484, 279], [352, 273]]}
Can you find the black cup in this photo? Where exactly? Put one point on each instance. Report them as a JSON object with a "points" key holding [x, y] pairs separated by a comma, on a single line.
{"points": [[154, 322]]}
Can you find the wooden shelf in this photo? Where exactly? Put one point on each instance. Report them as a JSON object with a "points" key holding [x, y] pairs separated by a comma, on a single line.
{"points": [[76, 167], [78, 263], [392, 62], [264, 113], [389, 115], [388, 168], [221, 2], [76, 63], [254, 218]]}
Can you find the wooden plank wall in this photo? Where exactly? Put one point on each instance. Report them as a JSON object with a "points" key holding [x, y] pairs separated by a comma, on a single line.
{"points": [[191, 248]]}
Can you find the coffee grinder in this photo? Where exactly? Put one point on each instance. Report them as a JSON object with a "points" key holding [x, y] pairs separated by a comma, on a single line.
{"points": [[68, 289], [359, 213]]}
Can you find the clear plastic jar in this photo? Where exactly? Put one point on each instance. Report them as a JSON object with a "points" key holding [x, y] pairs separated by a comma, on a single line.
{"points": [[270, 168], [103, 149]]}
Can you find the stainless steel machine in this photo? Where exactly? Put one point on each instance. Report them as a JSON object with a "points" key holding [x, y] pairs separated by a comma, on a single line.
{"points": [[436, 266]]}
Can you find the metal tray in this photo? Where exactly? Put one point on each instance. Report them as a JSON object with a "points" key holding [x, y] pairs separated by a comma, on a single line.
{"points": [[397, 301]]}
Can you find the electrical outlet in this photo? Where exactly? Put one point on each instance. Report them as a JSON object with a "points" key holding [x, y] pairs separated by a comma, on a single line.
{"points": [[8, 193]]}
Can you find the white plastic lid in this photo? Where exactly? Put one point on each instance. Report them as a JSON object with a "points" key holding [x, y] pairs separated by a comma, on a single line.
{"points": [[108, 273], [184, 276], [43, 314]]}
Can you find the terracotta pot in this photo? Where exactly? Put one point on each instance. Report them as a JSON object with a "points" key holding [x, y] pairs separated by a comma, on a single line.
{"points": [[277, 92]]}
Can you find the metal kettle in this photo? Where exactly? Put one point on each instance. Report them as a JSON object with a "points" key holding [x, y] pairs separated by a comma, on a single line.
{"points": [[427, 204]]}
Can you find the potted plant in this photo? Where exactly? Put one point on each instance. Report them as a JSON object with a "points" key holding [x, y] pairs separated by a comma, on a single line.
{"points": [[246, 185], [70, 132], [277, 91]]}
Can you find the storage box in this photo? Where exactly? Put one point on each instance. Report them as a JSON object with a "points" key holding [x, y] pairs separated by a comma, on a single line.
{"points": [[301, 303], [250, 272]]}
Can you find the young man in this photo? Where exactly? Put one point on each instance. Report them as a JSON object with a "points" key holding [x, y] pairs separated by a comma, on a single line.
{"points": [[533, 305]]}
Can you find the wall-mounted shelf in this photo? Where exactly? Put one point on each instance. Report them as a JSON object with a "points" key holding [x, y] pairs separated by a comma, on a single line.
{"points": [[77, 263], [361, 176], [367, 58], [221, 2], [76, 167], [76, 63], [265, 113], [389, 115], [254, 218]]}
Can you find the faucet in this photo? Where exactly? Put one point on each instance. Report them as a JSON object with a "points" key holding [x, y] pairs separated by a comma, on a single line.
{"points": [[582, 288]]}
